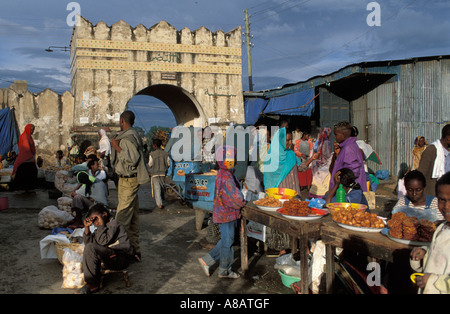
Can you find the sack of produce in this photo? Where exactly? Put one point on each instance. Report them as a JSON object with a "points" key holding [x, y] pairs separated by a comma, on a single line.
{"points": [[51, 217], [65, 204], [73, 276]]}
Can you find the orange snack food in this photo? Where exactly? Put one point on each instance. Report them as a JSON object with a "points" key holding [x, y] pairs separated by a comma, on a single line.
{"points": [[357, 218], [296, 207]]}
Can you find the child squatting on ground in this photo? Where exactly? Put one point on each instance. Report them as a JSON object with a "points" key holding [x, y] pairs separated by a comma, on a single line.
{"points": [[109, 244], [434, 262]]}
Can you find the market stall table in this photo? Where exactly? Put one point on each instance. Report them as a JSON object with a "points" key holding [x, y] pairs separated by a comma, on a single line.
{"points": [[370, 244], [298, 230]]}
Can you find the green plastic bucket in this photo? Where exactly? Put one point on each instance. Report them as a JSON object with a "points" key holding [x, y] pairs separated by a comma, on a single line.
{"points": [[287, 280]]}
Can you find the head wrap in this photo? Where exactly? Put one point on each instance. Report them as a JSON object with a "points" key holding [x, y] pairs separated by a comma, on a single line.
{"points": [[27, 149], [279, 160]]}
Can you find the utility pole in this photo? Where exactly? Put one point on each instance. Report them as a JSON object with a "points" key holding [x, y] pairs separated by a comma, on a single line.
{"points": [[249, 54]]}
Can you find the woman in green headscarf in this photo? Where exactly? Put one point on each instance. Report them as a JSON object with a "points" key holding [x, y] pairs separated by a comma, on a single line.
{"points": [[280, 163], [280, 171], [92, 191]]}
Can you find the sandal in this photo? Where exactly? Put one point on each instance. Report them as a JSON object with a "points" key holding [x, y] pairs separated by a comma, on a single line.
{"points": [[230, 275], [296, 287], [204, 266], [85, 290]]}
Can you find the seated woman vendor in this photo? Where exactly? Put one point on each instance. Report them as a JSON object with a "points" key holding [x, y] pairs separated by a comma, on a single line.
{"points": [[353, 191], [415, 197], [92, 191]]}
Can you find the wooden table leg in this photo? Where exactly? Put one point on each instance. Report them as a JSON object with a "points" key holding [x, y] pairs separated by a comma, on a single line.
{"points": [[304, 265], [244, 247], [329, 268], [199, 217], [294, 245]]}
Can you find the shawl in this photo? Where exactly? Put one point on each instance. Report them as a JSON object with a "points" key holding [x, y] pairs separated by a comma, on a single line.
{"points": [[320, 166], [416, 153], [439, 162], [228, 199], [27, 149], [279, 160], [104, 144], [350, 157]]}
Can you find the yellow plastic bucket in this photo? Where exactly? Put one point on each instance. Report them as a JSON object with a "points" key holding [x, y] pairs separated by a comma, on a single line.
{"points": [[281, 193]]}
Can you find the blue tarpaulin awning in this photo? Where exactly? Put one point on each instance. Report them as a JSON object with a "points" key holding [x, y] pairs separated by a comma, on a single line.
{"points": [[295, 104], [298, 104], [9, 137], [253, 108]]}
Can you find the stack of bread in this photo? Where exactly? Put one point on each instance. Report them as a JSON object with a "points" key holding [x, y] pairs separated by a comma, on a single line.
{"points": [[410, 228], [396, 226], [426, 230]]}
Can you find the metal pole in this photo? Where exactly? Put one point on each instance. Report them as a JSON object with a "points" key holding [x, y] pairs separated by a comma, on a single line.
{"points": [[249, 54]]}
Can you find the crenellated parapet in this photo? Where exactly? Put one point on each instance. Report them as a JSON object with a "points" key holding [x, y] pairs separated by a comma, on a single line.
{"points": [[196, 73]]}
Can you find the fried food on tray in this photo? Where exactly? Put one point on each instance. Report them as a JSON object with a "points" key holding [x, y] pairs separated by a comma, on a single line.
{"points": [[269, 202], [357, 218], [410, 228], [296, 207]]}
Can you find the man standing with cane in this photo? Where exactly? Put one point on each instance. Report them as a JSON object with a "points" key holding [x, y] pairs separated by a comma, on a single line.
{"points": [[127, 159]]}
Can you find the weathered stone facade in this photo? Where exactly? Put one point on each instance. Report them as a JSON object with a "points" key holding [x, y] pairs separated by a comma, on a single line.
{"points": [[197, 74]]}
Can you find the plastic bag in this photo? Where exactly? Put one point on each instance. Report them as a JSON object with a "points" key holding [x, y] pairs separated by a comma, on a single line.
{"points": [[428, 213], [316, 202], [65, 182], [73, 276], [65, 204], [382, 174], [47, 245], [51, 217], [286, 259]]}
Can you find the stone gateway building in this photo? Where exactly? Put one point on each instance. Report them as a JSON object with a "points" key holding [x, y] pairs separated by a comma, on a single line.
{"points": [[197, 74]]}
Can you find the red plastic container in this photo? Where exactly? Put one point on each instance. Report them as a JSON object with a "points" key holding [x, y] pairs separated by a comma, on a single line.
{"points": [[4, 203]]}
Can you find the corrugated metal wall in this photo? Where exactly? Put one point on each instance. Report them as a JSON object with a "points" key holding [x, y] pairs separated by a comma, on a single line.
{"points": [[373, 116], [423, 104], [416, 103]]}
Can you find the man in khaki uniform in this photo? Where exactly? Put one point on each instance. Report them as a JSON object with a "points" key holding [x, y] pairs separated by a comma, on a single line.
{"points": [[128, 160]]}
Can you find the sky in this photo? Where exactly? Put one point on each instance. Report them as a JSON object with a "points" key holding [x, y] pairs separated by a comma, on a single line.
{"points": [[291, 40]]}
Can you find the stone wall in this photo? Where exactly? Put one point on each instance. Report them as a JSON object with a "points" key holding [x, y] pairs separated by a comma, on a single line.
{"points": [[51, 113]]}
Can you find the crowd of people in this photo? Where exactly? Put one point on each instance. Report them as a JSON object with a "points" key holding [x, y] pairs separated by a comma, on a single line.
{"points": [[316, 167]]}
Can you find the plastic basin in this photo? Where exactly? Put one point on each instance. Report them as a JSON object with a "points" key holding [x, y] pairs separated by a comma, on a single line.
{"points": [[281, 193]]}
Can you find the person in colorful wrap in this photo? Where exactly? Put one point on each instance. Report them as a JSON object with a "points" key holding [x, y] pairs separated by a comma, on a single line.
{"points": [[320, 166], [228, 201], [420, 144], [25, 169], [281, 167], [349, 156], [73, 149], [280, 163]]}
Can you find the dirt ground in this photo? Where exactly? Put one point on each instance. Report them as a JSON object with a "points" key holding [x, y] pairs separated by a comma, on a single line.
{"points": [[170, 249]]}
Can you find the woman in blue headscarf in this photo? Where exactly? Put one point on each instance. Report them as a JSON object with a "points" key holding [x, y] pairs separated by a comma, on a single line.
{"points": [[280, 164]]}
